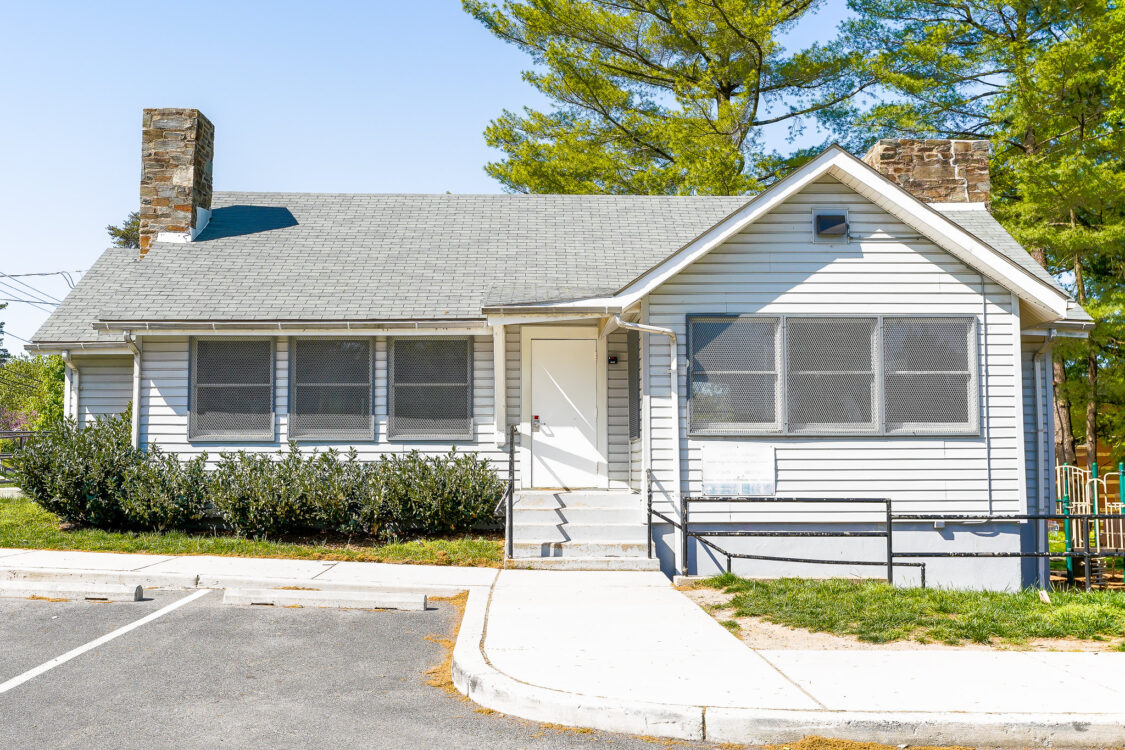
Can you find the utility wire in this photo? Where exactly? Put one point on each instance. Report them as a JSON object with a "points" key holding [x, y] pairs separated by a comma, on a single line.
{"points": [[28, 301], [40, 292], [38, 296], [18, 338]]}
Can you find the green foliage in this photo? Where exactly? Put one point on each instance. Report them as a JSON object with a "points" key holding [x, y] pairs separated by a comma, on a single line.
{"points": [[875, 612], [31, 392], [26, 525], [95, 477], [665, 97], [163, 493], [436, 495], [128, 234], [80, 474]]}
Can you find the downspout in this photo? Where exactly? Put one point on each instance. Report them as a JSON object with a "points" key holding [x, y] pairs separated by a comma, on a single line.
{"points": [[674, 379], [70, 400], [987, 400], [131, 342], [1041, 475]]}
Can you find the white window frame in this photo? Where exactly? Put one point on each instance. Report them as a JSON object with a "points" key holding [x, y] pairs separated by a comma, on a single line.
{"points": [[392, 434], [328, 436], [193, 435], [748, 428], [782, 428]]}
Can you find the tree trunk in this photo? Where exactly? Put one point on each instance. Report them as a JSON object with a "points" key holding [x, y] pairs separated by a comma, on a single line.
{"points": [[1064, 428], [1092, 406], [1091, 368]]}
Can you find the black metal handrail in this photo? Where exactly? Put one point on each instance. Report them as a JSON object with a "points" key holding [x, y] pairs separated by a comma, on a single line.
{"points": [[894, 558]]}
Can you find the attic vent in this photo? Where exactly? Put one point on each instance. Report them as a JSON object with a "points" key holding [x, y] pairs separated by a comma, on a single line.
{"points": [[830, 225]]}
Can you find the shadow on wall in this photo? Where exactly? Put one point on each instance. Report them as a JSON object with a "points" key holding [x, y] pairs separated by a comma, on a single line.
{"points": [[236, 221]]}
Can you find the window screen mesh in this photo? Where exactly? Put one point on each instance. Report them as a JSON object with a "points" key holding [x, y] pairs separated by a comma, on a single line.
{"points": [[831, 374], [733, 374], [232, 389], [330, 389], [929, 366], [633, 373], [431, 389]]}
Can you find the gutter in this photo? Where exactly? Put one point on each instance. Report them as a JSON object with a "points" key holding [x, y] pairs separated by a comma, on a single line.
{"points": [[131, 342], [674, 378], [129, 326], [1041, 471]]}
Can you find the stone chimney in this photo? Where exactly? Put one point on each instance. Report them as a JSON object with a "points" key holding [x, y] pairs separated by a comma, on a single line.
{"points": [[177, 148], [934, 170]]}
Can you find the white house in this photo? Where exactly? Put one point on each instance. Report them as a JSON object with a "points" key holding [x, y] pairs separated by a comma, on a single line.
{"points": [[858, 330]]}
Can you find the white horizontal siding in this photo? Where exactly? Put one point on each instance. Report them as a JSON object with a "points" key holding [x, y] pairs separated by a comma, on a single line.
{"points": [[105, 386], [164, 406], [774, 267], [617, 402]]}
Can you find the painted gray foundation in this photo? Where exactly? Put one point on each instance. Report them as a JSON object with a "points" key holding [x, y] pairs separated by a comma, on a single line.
{"points": [[999, 574]]}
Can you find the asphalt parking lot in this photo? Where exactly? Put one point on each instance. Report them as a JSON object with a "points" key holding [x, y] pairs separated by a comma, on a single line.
{"points": [[207, 675]]}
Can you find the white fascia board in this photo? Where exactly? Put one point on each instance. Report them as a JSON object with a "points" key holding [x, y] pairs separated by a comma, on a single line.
{"points": [[947, 234], [763, 203]]}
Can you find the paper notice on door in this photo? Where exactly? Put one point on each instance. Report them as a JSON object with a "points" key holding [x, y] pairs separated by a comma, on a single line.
{"points": [[732, 468]]}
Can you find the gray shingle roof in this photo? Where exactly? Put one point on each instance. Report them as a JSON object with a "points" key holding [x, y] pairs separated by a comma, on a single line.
{"points": [[308, 256], [979, 222]]}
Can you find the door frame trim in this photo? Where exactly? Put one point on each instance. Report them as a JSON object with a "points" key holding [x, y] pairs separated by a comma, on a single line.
{"points": [[601, 402]]}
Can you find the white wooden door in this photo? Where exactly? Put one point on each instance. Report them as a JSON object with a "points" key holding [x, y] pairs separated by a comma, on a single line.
{"points": [[564, 414]]}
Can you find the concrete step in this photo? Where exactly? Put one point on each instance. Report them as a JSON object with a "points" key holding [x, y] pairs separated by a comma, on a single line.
{"points": [[551, 500], [578, 515], [549, 548], [579, 532], [588, 563]]}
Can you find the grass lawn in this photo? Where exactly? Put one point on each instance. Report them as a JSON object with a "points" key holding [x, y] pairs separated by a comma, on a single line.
{"points": [[25, 524], [875, 612]]}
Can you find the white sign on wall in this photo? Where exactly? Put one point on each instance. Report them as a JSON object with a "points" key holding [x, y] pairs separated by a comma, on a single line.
{"points": [[733, 468]]}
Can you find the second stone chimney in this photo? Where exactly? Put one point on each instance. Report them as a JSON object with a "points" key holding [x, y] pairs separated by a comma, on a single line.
{"points": [[934, 170], [177, 149]]}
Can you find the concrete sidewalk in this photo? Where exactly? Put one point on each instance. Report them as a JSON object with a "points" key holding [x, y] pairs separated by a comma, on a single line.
{"points": [[205, 571], [626, 652]]}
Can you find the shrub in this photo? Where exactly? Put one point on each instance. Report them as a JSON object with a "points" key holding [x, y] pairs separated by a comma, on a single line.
{"points": [[434, 495], [79, 474], [95, 476], [163, 493]]}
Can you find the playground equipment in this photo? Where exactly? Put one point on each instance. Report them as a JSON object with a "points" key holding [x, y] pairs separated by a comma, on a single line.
{"points": [[1082, 491]]}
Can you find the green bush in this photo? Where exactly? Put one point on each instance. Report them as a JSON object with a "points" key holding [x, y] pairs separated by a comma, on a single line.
{"points": [[80, 474], [94, 476], [434, 495], [163, 493]]}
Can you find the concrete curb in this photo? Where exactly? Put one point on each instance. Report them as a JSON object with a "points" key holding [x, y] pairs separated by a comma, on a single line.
{"points": [[476, 678], [103, 592], [412, 602], [209, 581]]}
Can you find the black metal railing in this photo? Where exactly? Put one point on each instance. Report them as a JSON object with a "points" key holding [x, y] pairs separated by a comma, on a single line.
{"points": [[10, 442], [507, 500], [894, 557]]}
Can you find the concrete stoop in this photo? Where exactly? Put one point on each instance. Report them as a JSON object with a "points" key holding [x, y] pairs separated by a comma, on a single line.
{"points": [[580, 530]]}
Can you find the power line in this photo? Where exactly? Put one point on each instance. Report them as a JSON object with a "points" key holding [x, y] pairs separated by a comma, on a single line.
{"points": [[18, 338], [35, 295], [65, 274], [40, 292], [28, 301]]}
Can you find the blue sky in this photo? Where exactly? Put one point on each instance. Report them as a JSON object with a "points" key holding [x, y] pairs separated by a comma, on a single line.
{"points": [[330, 96]]}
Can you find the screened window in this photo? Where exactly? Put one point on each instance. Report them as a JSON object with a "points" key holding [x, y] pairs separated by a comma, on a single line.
{"points": [[633, 373], [231, 390], [733, 374], [330, 389], [830, 367], [832, 375], [431, 388], [930, 374]]}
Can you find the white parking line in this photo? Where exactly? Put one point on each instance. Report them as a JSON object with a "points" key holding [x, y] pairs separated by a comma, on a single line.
{"points": [[36, 671]]}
